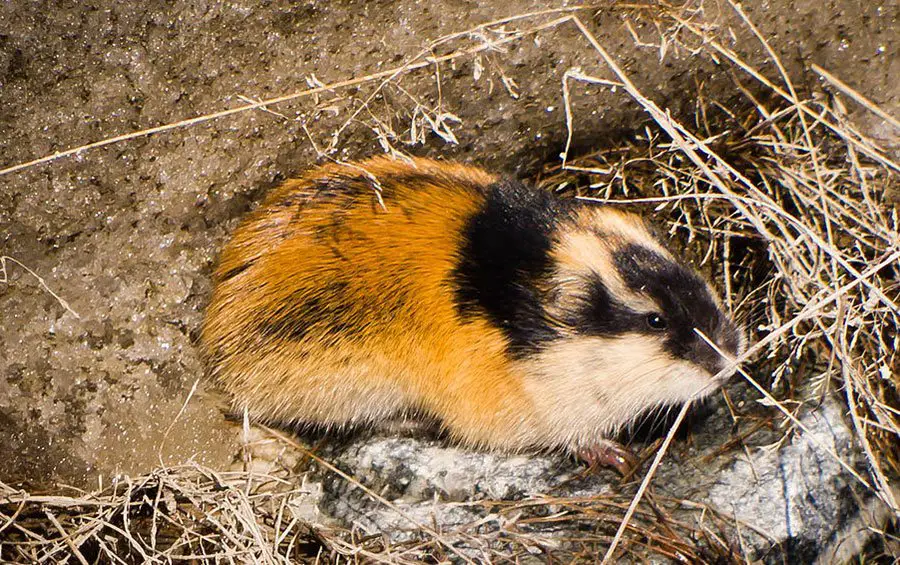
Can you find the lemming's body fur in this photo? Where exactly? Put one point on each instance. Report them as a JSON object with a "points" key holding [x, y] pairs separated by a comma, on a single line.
{"points": [[362, 292]]}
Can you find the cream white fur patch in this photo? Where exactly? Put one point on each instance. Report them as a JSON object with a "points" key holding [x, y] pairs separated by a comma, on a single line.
{"points": [[581, 253], [589, 387], [586, 247]]}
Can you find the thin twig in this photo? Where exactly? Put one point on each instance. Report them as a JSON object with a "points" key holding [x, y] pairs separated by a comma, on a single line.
{"points": [[855, 95], [4, 278]]}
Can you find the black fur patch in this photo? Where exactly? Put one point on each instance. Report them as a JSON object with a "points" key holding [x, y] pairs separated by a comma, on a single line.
{"points": [[505, 252], [231, 273], [603, 315], [685, 303], [329, 312]]}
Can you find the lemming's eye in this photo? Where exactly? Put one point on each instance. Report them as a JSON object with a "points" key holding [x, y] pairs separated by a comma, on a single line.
{"points": [[656, 322]]}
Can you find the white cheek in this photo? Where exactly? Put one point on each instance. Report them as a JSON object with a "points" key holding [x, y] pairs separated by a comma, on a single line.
{"points": [[588, 387], [684, 381]]}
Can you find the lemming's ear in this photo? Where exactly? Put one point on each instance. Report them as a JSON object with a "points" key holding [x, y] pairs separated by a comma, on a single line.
{"points": [[562, 296]]}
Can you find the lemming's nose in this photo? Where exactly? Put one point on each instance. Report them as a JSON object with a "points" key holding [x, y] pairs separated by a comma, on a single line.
{"points": [[712, 357]]}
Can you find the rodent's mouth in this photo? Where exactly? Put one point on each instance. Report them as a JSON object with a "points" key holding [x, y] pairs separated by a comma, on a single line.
{"points": [[719, 370]]}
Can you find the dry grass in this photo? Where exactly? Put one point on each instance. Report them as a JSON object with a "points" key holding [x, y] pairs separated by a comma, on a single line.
{"points": [[788, 202], [179, 514], [193, 514]]}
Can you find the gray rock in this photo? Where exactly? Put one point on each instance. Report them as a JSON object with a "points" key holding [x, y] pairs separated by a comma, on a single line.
{"points": [[431, 482], [790, 502], [798, 495]]}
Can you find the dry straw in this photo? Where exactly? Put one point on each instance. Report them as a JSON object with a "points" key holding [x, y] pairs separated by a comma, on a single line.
{"points": [[787, 198]]}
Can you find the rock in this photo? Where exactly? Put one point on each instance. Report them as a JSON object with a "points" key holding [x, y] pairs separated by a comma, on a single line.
{"points": [[428, 481], [798, 495]]}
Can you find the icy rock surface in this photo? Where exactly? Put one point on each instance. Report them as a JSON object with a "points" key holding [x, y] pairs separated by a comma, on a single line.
{"points": [[431, 482], [798, 495]]}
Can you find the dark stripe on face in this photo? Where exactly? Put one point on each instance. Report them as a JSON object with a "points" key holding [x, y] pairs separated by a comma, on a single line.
{"points": [[504, 255], [685, 303], [602, 315]]}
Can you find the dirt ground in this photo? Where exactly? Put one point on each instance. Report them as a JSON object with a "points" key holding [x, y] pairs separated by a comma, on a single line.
{"points": [[126, 235]]}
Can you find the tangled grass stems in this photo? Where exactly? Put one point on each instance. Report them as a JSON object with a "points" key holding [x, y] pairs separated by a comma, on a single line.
{"points": [[813, 207], [812, 200], [173, 514], [194, 514]]}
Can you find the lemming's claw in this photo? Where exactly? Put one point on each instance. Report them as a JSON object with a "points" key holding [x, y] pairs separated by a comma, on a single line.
{"points": [[610, 454]]}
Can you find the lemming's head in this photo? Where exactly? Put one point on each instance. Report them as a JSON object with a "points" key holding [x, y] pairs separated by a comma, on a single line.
{"points": [[591, 303], [627, 312]]}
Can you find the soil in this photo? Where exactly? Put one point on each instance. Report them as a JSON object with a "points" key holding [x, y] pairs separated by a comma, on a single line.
{"points": [[127, 234]]}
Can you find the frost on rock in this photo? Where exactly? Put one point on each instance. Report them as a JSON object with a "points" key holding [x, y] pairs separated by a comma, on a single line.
{"points": [[799, 496], [436, 484], [792, 502]]}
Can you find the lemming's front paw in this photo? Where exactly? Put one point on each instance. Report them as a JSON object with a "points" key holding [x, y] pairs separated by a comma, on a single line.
{"points": [[611, 454]]}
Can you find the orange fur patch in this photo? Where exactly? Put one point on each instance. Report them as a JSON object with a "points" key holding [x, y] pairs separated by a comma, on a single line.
{"points": [[391, 265]]}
